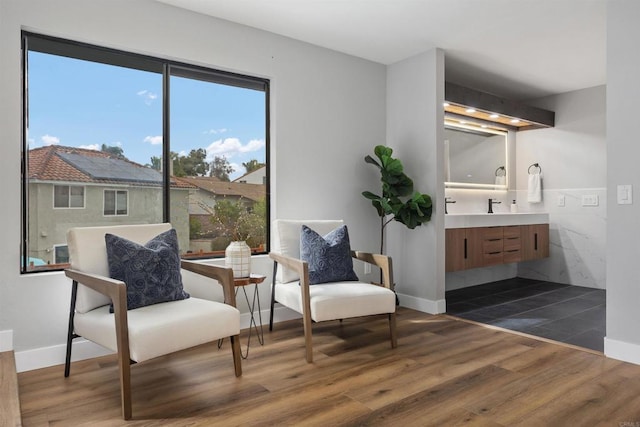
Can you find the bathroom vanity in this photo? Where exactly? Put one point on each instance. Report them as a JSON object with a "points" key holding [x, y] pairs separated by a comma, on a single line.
{"points": [[483, 240]]}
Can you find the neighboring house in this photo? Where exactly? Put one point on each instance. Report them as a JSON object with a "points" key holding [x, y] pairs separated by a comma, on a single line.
{"points": [[71, 187], [258, 176], [211, 189]]}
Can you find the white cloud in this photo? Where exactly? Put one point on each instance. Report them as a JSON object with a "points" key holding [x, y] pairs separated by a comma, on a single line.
{"points": [[253, 145], [95, 147], [229, 147], [147, 96], [50, 140], [154, 140], [215, 131]]}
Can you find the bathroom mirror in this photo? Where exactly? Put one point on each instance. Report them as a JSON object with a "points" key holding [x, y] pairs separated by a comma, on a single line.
{"points": [[475, 157]]}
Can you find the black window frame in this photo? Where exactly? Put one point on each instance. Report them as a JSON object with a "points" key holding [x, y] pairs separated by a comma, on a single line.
{"points": [[79, 50]]}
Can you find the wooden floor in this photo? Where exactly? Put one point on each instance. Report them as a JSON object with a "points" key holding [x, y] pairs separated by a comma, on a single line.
{"points": [[445, 372], [9, 403]]}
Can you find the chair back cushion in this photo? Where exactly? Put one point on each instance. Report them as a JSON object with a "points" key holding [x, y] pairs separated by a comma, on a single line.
{"points": [[286, 240], [329, 256], [151, 271], [88, 253]]}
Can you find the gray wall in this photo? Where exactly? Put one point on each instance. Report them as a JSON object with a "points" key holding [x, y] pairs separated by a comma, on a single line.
{"points": [[623, 152], [328, 112], [415, 92]]}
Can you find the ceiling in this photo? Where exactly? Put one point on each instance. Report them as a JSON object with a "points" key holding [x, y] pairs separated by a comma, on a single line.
{"points": [[518, 49]]}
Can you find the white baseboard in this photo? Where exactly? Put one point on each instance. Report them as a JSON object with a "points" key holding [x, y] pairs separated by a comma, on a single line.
{"points": [[82, 349], [627, 352], [44, 357], [6, 340], [424, 305]]}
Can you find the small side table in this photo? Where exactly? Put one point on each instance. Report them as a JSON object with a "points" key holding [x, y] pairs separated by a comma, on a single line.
{"points": [[243, 282]]}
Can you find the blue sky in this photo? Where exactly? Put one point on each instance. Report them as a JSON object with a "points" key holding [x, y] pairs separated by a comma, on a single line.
{"points": [[83, 104]]}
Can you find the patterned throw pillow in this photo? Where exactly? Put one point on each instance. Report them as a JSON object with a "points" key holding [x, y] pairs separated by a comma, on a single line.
{"points": [[329, 257], [151, 272]]}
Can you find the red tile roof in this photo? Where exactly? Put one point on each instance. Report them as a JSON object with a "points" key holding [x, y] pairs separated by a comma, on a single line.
{"points": [[213, 185], [47, 164]]}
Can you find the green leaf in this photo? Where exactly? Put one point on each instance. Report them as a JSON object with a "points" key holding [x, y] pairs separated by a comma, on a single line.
{"points": [[372, 161], [382, 151], [393, 166], [369, 195]]}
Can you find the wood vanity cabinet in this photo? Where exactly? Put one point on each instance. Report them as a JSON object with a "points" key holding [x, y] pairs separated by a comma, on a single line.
{"points": [[535, 241], [486, 246]]}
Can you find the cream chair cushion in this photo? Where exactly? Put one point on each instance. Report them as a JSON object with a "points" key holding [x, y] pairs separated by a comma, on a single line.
{"points": [[162, 328], [338, 300]]}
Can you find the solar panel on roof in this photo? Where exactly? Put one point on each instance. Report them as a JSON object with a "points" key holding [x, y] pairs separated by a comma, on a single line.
{"points": [[112, 169]]}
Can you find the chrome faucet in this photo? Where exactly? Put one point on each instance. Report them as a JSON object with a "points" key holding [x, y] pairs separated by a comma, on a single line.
{"points": [[491, 203], [447, 200]]}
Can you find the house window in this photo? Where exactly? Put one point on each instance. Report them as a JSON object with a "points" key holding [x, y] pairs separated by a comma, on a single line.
{"points": [[60, 254], [172, 137], [115, 202], [68, 196]]}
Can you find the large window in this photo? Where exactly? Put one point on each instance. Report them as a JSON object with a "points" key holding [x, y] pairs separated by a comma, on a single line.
{"points": [[112, 137]]}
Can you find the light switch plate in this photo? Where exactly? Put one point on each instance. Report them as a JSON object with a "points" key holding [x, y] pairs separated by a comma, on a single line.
{"points": [[590, 200], [367, 268], [625, 194], [561, 200]]}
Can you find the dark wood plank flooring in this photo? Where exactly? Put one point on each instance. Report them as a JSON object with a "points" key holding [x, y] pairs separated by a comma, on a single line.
{"points": [[444, 372]]}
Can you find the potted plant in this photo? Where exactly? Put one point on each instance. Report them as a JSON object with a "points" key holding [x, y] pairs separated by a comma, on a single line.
{"points": [[398, 201], [233, 219]]}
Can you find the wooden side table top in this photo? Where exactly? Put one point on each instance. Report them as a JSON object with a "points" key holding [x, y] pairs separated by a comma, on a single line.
{"points": [[252, 279]]}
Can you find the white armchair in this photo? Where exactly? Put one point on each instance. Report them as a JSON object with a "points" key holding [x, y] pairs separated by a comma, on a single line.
{"points": [[143, 333], [325, 301]]}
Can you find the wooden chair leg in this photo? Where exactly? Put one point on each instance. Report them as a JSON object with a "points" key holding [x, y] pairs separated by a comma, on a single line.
{"points": [[235, 349], [306, 319], [125, 386], [392, 330]]}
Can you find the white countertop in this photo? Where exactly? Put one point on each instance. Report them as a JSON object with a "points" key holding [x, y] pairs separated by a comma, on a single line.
{"points": [[494, 219]]}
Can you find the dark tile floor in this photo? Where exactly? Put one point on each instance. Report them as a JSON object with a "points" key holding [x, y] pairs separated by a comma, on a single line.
{"points": [[565, 313]]}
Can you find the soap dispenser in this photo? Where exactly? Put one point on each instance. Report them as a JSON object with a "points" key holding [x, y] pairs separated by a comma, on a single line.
{"points": [[514, 207]]}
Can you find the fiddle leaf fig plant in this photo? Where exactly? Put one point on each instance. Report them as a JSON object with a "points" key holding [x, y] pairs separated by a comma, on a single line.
{"points": [[398, 201]]}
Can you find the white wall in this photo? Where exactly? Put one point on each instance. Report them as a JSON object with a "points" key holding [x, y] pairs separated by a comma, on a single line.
{"points": [[623, 151], [415, 93], [328, 112], [573, 156]]}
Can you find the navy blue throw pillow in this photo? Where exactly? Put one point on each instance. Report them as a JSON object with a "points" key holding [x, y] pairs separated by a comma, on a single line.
{"points": [[151, 272], [329, 257]]}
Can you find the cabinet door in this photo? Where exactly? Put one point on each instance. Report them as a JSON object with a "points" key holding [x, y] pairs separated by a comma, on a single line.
{"points": [[475, 246], [535, 241], [455, 243]]}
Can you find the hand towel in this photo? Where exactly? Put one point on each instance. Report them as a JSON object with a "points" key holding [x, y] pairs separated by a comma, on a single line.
{"points": [[534, 193], [501, 180]]}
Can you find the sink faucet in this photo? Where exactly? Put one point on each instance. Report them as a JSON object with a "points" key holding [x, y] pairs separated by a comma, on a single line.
{"points": [[447, 200], [491, 203]]}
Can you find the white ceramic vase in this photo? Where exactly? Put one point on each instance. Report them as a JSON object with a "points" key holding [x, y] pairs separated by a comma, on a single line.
{"points": [[238, 257]]}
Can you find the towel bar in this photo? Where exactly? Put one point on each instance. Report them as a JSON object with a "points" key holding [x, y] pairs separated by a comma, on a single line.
{"points": [[535, 165]]}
